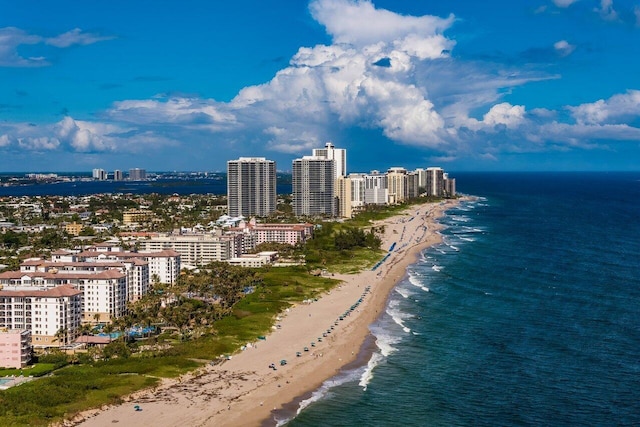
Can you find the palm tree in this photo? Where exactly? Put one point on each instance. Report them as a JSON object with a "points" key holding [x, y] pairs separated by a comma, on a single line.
{"points": [[61, 336]]}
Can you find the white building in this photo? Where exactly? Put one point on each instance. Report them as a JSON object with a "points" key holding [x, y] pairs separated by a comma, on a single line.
{"points": [[251, 186], [136, 269], [375, 189], [103, 294], [99, 174], [254, 260], [52, 315], [338, 155], [164, 264]]}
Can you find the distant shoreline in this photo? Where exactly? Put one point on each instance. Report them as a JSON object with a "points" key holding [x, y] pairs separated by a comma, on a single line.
{"points": [[87, 187]]}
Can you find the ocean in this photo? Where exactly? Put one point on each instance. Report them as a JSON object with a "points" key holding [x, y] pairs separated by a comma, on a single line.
{"points": [[527, 314]]}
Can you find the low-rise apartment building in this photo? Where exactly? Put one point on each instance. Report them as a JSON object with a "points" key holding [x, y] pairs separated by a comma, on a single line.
{"points": [[15, 348], [194, 249]]}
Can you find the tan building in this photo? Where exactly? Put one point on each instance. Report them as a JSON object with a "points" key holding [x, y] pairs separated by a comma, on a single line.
{"points": [[397, 185], [343, 197], [194, 249], [136, 216], [74, 228]]}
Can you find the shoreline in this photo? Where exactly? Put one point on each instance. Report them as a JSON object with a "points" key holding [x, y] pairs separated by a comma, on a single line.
{"points": [[245, 390]]}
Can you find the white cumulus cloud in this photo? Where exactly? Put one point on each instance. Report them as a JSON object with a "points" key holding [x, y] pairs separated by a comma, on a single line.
{"points": [[360, 23], [505, 114], [619, 107], [564, 48]]}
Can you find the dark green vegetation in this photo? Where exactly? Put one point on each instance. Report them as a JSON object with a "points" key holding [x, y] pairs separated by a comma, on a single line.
{"points": [[104, 376]]}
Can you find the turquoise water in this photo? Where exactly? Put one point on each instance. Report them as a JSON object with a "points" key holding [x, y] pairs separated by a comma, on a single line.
{"points": [[527, 314]]}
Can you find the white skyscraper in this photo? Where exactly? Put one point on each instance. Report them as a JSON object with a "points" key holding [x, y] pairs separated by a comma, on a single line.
{"points": [[99, 174], [313, 186], [251, 186], [339, 155]]}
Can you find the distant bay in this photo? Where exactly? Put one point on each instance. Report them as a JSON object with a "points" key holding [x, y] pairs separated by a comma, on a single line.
{"points": [[217, 186]]}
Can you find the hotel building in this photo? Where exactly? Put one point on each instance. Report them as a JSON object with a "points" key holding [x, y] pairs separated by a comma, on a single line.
{"points": [[338, 155], [52, 316]]}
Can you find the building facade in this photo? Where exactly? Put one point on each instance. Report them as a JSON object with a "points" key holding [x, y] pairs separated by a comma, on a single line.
{"points": [[137, 174], [194, 249], [449, 186], [99, 174], [52, 316], [251, 186], [375, 189], [15, 348], [397, 185], [338, 155], [435, 182], [343, 197], [313, 186]]}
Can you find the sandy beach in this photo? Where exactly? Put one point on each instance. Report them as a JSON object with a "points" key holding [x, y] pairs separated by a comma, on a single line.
{"points": [[244, 390]]}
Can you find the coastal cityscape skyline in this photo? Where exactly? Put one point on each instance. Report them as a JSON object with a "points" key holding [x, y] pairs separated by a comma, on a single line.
{"points": [[319, 213], [471, 88]]}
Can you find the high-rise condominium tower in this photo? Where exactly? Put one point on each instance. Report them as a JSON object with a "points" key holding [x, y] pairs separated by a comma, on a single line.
{"points": [[435, 182], [313, 186], [251, 186], [137, 174], [99, 174], [339, 155]]}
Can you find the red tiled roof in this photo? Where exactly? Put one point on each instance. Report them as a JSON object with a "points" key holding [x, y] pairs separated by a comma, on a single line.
{"points": [[57, 292], [107, 274]]}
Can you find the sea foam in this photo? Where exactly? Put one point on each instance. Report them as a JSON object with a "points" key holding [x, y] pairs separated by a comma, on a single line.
{"points": [[397, 315], [413, 279]]}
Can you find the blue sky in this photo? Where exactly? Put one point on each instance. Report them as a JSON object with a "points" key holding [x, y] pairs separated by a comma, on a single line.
{"points": [[466, 85]]}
